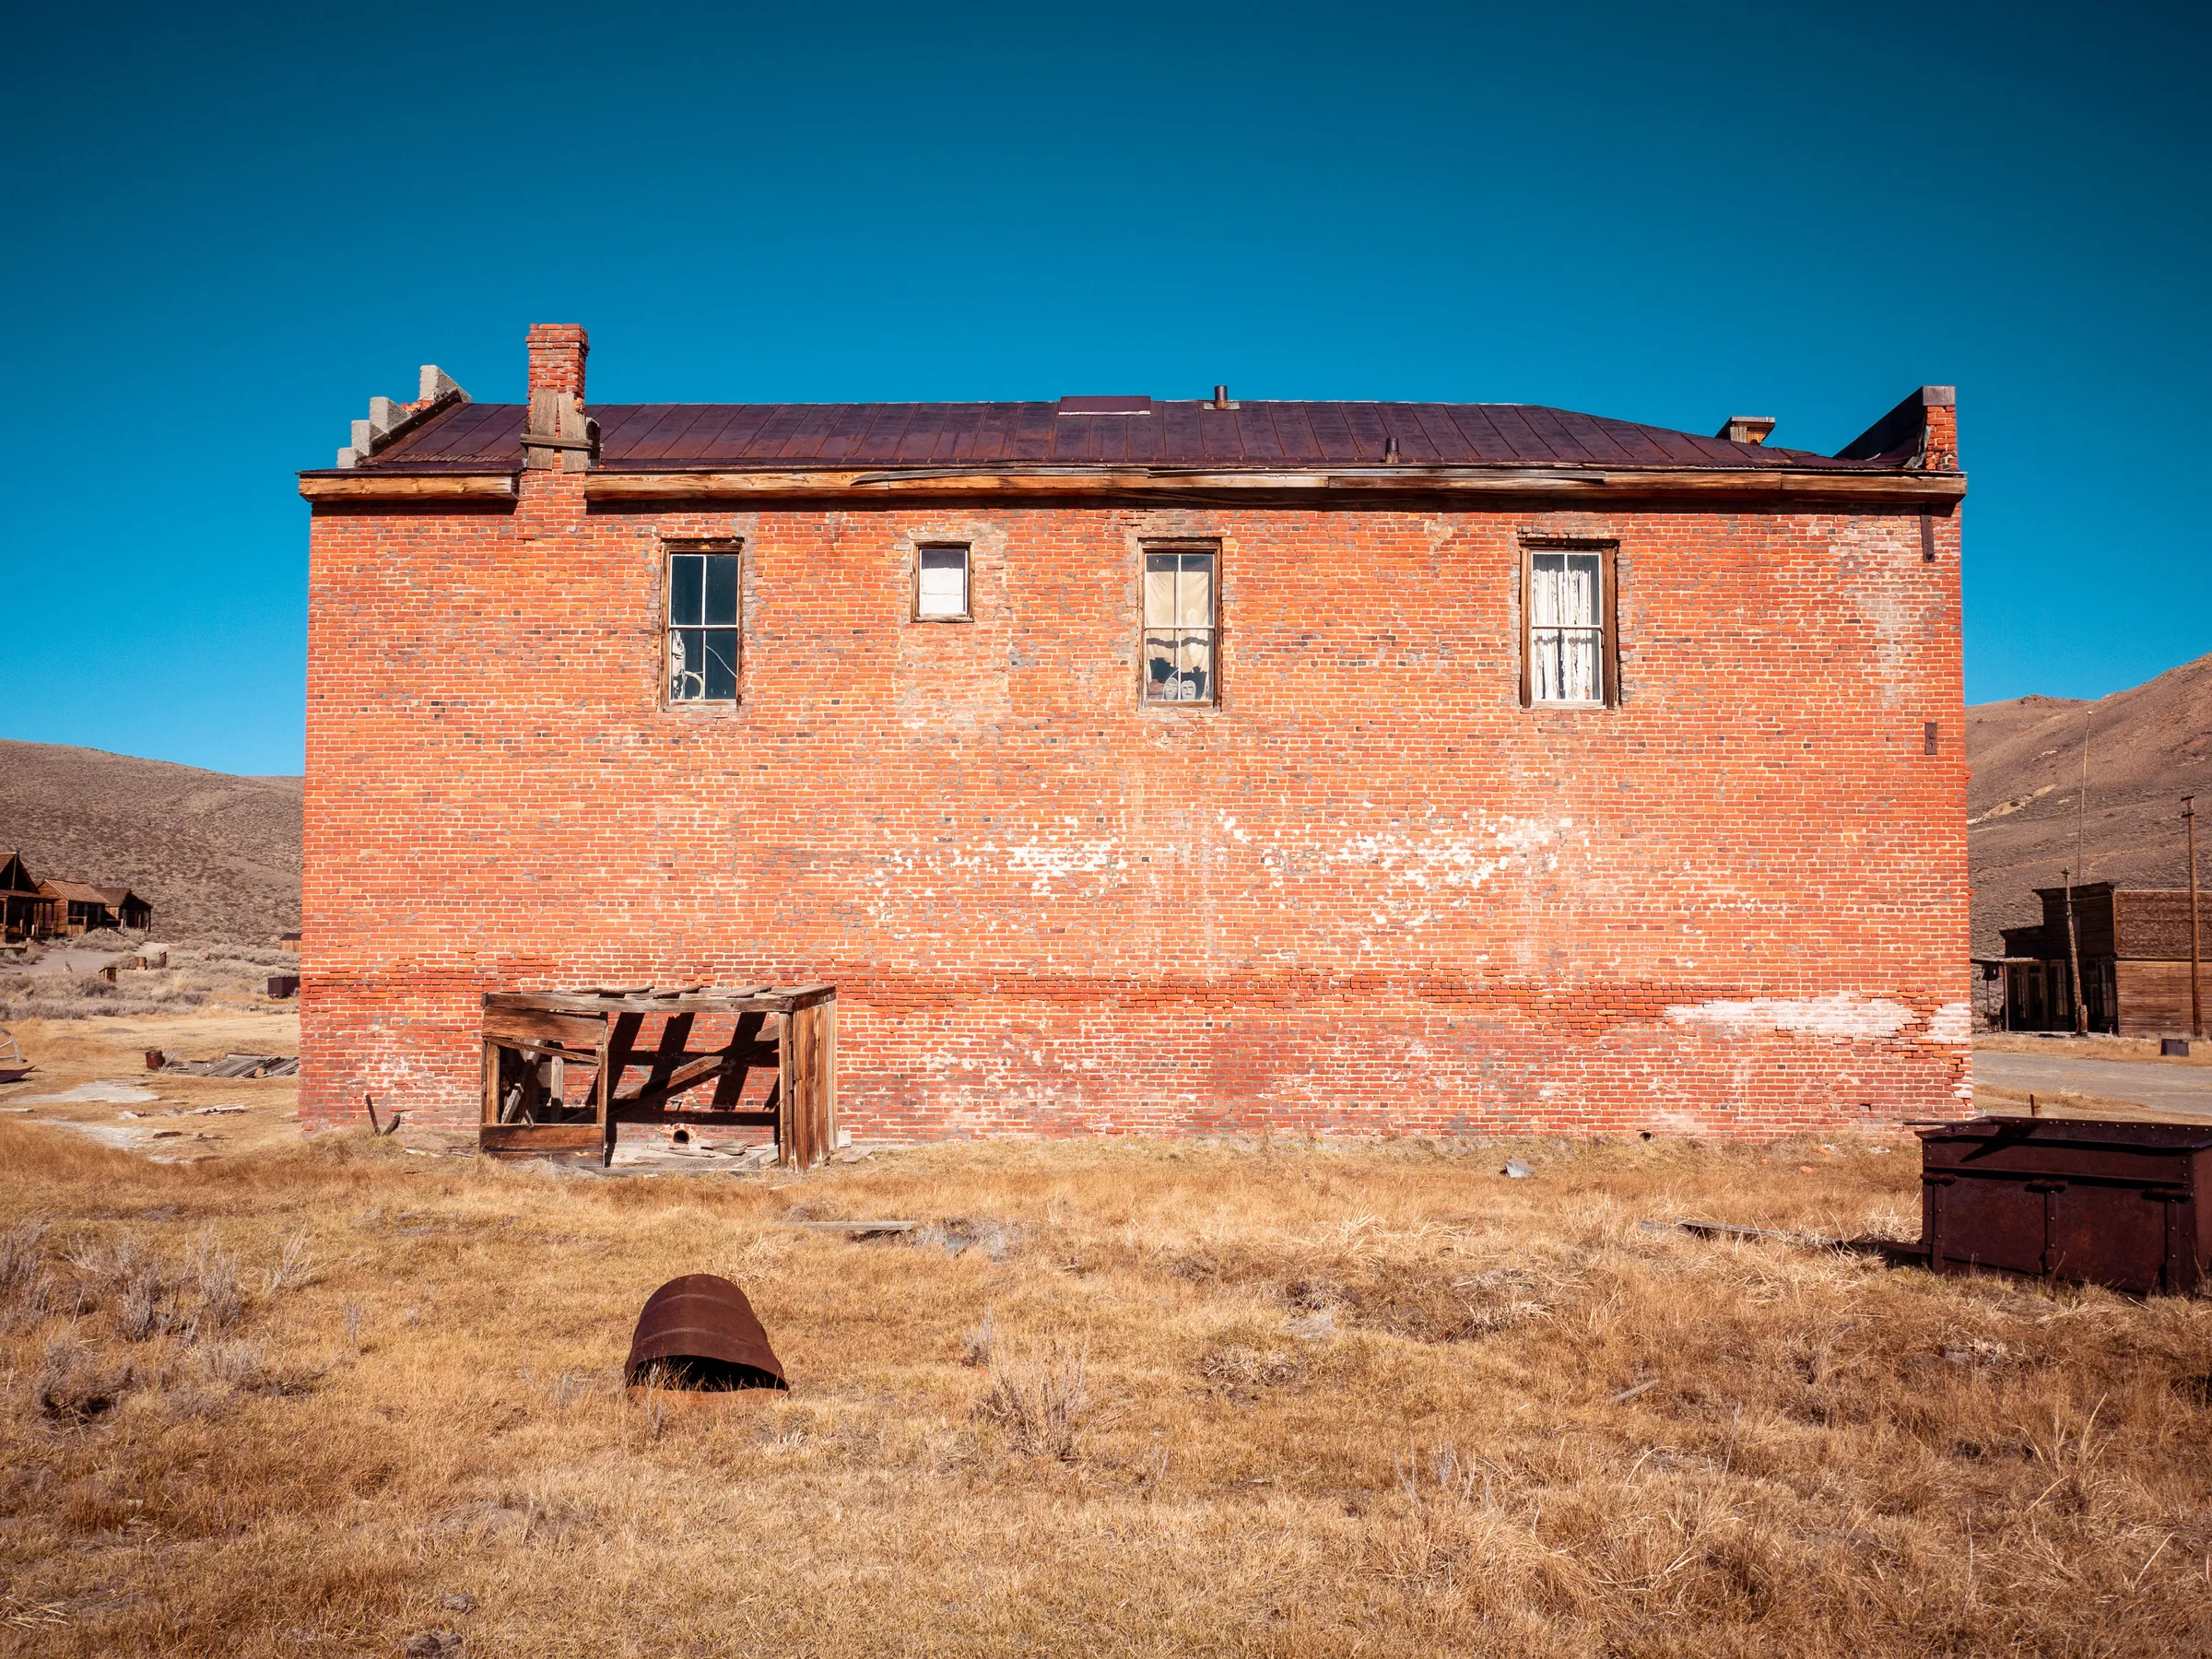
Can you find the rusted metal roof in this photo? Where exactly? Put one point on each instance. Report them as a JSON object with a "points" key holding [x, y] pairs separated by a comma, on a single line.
{"points": [[1260, 436]]}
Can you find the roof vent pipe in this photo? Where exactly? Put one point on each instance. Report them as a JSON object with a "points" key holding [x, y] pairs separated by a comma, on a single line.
{"points": [[1221, 399]]}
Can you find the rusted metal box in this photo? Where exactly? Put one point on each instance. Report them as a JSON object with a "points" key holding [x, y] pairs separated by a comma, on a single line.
{"points": [[2123, 1205]]}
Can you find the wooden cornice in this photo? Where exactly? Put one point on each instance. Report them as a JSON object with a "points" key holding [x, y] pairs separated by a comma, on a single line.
{"points": [[1591, 484], [416, 486]]}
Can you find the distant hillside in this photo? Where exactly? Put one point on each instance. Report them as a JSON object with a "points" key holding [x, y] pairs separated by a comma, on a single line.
{"points": [[218, 856], [2148, 747]]}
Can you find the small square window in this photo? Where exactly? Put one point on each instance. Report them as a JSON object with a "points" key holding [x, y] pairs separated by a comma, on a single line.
{"points": [[702, 627], [1180, 624], [941, 585]]}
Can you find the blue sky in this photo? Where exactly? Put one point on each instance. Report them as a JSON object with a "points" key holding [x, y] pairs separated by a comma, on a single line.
{"points": [[226, 231]]}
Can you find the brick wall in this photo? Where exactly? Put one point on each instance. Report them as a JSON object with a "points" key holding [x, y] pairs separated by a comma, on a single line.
{"points": [[1369, 892]]}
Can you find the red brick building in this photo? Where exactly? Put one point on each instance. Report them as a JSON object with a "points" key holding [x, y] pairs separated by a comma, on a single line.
{"points": [[1152, 766]]}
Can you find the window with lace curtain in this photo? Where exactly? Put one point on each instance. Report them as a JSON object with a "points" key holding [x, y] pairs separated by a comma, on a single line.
{"points": [[1180, 624], [1567, 627]]}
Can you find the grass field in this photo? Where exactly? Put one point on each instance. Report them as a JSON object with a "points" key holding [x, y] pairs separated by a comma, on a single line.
{"points": [[1295, 1398]]}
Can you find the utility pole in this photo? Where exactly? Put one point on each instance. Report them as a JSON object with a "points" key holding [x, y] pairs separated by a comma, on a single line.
{"points": [[2081, 1007], [2196, 963]]}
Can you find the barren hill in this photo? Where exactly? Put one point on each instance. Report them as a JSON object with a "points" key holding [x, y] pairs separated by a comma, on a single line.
{"points": [[2148, 747], [216, 855]]}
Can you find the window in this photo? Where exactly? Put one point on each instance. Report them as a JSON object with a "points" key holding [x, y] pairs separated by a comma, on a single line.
{"points": [[1179, 625], [941, 585], [702, 624], [1567, 627]]}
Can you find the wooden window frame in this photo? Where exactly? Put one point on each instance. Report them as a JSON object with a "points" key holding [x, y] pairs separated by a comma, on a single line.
{"points": [[1608, 599], [1181, 544], [967, 552], [671, 546]]}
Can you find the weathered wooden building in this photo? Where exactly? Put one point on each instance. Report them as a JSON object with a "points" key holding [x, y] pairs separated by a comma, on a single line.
{"points": [[1149, 764], [80, 907], [25, 910], [2133, 947]]}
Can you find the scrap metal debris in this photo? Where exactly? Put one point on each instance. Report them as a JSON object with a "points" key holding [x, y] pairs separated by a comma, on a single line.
{"points": [[698, 1335]]}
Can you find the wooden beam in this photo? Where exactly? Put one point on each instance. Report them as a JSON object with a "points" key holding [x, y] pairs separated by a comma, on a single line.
{"points": [[773, 1001], [375, 486], [1580, 483], [538, 1137], [527, 1025], [701, 1119]]}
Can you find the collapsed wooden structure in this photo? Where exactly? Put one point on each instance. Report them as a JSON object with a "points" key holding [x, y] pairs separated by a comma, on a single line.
{"points": [[556, 1066]]}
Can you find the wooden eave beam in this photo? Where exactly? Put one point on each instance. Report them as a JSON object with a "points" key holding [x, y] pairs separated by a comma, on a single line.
{"points": [[376, 486], [1588, 484], [779, 1000]]}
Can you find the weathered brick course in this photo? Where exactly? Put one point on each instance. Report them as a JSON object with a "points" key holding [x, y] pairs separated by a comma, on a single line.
{"points": [[1370, 891]]}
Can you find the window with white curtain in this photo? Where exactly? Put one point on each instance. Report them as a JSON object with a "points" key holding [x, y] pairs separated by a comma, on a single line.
{"points": [[1179, 626], [1567, 627], [941, 583]]}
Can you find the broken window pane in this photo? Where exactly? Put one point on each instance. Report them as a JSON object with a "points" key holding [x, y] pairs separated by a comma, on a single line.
{"points": [[1566, 628], [702, 628], [941, 588]]}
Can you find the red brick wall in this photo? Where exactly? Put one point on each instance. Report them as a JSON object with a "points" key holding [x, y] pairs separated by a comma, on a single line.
{"points": [[1369, 892]]}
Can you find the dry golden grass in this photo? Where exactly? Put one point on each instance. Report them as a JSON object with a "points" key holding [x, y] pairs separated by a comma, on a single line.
{"points": [[1282, 1398]]}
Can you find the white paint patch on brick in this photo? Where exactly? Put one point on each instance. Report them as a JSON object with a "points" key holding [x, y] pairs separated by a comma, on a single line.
{"points": [[1952, 1023], [1048, 861], [1840, 1015]]}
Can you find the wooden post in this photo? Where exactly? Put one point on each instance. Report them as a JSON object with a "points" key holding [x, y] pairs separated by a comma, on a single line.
{"points": [[604, 1094], [2197, 960], [2081, 1007], [492, 1081], [785, 1118]]}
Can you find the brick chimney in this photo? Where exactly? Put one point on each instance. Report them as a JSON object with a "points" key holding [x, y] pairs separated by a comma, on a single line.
{"points": [[557, 353], [558, 436]]}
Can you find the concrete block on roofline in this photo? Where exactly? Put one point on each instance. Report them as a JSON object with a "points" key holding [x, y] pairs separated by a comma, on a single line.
{"points": [[364, 435], [383, 414], [349, 456], [436, 383]]}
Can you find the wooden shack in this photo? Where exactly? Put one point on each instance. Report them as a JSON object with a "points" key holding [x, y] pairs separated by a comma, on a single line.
{"points": [[556, 1066], [2133, 949], [82, 908], [26, 911]]}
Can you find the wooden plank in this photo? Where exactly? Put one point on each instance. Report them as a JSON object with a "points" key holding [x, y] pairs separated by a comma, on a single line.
{"points": [[695, 1119], [570, 1030], [349, 486], [688, 1075], [531, 1138], [784, 1128], [1764, 483], [489, 1105], [565, 1002]]}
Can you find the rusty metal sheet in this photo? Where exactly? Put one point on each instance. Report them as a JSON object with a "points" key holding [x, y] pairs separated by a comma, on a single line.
{"points": [[700, 1334], [1077, 430]]}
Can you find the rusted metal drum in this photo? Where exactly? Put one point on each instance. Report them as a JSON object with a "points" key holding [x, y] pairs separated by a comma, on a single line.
{"points": [[699, 1336]]}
